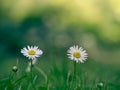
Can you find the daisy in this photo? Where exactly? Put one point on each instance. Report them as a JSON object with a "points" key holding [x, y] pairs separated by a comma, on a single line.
{"points": [[32, 52], [77, 54]]}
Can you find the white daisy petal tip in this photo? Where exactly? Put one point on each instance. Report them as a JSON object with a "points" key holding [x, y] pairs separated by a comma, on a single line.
{"points": [[31, 52], [77, 54]]}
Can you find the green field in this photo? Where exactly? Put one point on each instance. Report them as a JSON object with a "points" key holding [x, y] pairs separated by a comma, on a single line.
{"points": [[54, 26]]}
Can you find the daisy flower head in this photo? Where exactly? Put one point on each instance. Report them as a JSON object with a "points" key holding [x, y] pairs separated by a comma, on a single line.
{"points": [[32, 52], [77, 54]]}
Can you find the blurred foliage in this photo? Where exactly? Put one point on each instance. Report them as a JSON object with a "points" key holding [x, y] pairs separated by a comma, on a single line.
{"points": [[57, 24], [54, 25]]}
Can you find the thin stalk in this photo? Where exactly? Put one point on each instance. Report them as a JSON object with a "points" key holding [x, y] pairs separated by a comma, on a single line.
{"points": [[42, 72], [31, 72], [47, 83], [44, 75], [21, 78], [74, 78]]}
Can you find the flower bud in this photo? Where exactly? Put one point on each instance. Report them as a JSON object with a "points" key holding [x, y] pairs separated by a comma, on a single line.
{"points": [[100, 85], [14, 69]]}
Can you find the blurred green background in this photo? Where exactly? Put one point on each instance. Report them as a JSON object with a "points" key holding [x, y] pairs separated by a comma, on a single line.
{"points": [[55, 25]]}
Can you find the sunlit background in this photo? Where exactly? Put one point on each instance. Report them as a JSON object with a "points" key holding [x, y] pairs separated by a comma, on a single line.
{"points": [[55, 25]]}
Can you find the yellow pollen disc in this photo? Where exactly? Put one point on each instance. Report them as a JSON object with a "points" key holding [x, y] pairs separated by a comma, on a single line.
{"points": [[77, 54], [31, 52]]}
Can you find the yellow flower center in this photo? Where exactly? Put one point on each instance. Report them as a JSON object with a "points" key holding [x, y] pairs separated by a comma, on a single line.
{"points": [[31, 52], [77, 54]]}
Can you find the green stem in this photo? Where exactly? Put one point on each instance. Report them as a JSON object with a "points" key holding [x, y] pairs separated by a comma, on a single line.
{"points": [[47, 83], [42, 72], [21, 78], [74, 78], [31, 71]]}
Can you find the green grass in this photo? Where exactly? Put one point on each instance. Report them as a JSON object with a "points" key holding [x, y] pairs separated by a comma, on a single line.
{"points": [[59, 75]]}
